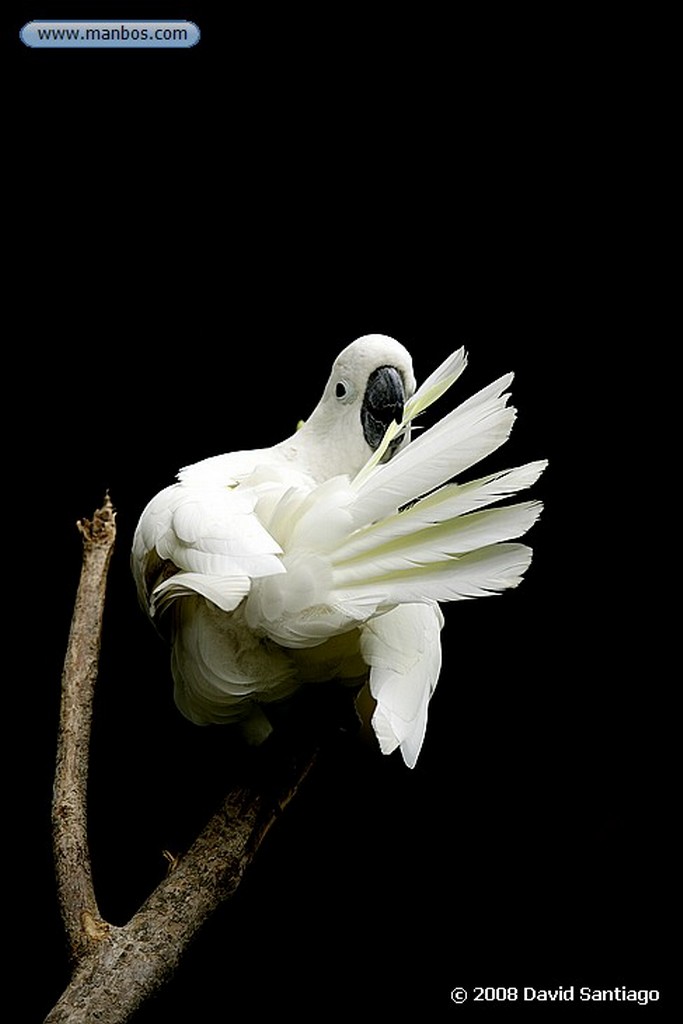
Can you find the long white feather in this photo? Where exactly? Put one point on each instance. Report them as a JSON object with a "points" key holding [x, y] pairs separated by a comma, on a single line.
{"points": [[449, 502], [436, 543], [479, 573], [463, 437], [436, 384], [429, 391]]}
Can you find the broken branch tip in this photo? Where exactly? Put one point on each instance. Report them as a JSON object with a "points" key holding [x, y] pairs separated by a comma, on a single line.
{"points": [[102, 528]]}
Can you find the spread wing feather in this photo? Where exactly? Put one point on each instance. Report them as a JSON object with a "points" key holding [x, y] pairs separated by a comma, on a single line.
{"points": [[463, 437], [478, 573], [449, 501]]}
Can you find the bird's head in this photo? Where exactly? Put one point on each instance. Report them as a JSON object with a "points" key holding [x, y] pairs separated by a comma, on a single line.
{"points": [[371, 380]]}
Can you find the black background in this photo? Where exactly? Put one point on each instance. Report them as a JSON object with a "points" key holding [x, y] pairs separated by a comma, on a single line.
{"points": [[196, 234]]}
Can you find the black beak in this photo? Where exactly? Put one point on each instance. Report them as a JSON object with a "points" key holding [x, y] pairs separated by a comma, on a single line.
{"points": [[382, 404]]}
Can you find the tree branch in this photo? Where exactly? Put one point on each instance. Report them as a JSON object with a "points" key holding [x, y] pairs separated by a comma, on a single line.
{"points": [[132, 962], [81, 917], [117, 968]]}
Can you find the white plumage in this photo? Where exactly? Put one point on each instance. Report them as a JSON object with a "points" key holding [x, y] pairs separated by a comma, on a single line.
{"points": [[324, 557]]}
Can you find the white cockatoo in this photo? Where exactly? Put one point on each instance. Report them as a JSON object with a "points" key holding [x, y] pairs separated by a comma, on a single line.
{"points": [[325, 557]]}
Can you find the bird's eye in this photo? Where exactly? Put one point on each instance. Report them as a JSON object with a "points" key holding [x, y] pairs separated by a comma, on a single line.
{"points": [[345, 391]]}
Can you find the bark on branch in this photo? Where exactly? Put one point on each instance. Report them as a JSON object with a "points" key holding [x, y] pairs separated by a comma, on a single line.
{"points": [[118, 968], [130, 963], [69, 813]]}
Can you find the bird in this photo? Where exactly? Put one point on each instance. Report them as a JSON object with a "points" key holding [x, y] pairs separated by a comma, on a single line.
{"points": [[325, 558]]}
